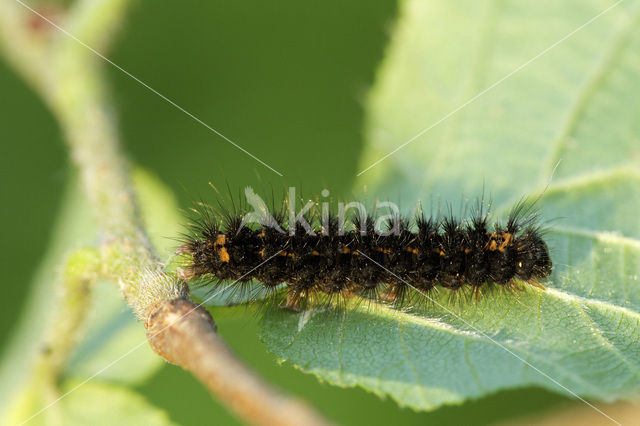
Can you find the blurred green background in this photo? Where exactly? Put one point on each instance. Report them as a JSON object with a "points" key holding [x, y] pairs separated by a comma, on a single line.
{"points": [[287, 82]]}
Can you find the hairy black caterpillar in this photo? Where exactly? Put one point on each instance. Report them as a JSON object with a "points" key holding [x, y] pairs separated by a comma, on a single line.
{"points": [[344, 258]]}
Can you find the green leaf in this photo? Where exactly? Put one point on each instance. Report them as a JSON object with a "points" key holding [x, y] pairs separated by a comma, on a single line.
{"points": [[102, 404], [159, 211], [74, 229], [111, 333], [97, 403], [575, 103]]}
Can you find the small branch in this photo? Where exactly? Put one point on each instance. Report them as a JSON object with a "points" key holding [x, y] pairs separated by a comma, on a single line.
{"points": [[68, 77], [185, 334]]}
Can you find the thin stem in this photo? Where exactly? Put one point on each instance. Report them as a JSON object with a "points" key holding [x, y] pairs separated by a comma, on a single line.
{"points": [[68, 77], [185, 334]]}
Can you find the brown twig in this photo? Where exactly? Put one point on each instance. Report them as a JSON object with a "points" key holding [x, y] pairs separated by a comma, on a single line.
{"points": [[185, 334], [67, 76]]}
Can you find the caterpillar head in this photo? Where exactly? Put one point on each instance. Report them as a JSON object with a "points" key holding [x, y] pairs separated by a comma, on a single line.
{"points": [[532, 259]]}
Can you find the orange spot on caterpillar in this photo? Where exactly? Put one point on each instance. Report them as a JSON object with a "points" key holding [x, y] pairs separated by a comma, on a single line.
{"points": [[413, 250], [221, 240], [499, 241], [224, 255], [507, 240]]}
